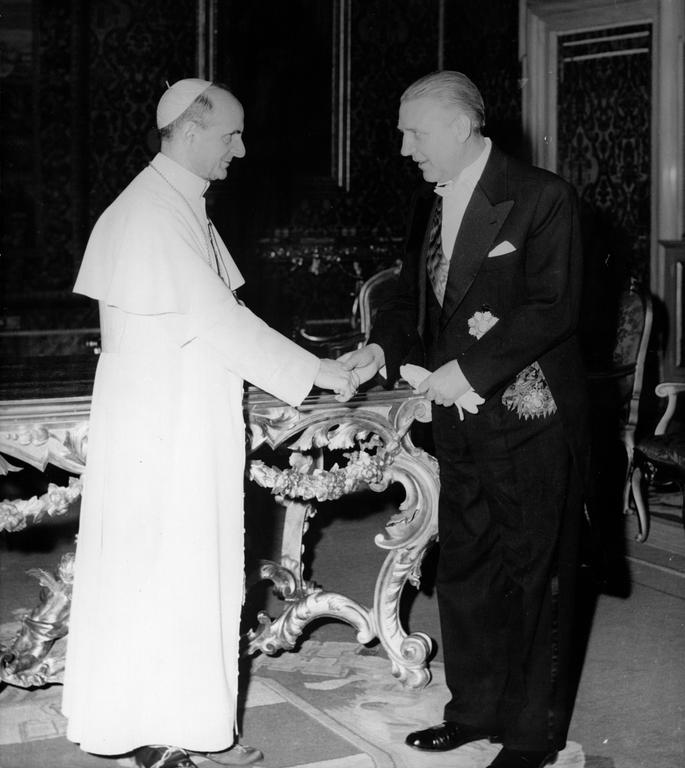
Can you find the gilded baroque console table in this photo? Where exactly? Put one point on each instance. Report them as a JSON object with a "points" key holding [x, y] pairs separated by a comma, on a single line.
{"points": [[370, 438]]}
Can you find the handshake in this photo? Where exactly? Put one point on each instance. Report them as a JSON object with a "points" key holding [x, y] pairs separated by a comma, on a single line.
{"points": [[334, 376], [347, 373], [446, 386]]}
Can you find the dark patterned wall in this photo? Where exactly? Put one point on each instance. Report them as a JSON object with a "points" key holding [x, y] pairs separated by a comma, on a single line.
{"points": [[42, 95], [392, 43], [60, 108], [604, 137], [134, 48], [82, 122], [44, 163], [78, 109], [481, 40]]}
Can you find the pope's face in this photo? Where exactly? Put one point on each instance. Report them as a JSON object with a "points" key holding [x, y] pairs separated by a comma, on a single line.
{"points": [[215, 144], [431, 137]]}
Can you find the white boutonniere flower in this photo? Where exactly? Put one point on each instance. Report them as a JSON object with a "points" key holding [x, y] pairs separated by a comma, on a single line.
{"points": [[481, 322]]}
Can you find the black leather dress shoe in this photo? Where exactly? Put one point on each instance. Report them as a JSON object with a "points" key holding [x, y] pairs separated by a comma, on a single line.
{"points": [[447, 735], [514, 758]]}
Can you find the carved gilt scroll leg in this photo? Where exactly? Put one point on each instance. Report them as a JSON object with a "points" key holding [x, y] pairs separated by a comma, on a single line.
{"points": [[287, 574], [407, 535], [305, 600], [35, 656], [408, 653]]}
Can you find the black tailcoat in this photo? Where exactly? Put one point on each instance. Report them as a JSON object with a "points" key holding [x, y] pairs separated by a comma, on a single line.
{"points": [[511, 490]]}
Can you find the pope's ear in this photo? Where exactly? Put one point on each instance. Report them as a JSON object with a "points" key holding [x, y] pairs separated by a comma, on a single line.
{"points": [[189, 130]]}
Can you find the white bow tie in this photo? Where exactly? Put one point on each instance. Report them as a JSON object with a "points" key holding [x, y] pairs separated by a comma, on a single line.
{"points": [[450, 188]]}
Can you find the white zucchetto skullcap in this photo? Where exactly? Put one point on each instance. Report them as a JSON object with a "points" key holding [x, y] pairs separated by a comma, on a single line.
{"points": [[177, 98]]}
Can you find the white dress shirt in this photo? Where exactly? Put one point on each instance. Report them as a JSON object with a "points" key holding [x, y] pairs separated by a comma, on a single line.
{"points": [[456, 195]]}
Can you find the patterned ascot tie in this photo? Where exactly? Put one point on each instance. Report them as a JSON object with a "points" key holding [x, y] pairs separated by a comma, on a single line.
{"points": [[437, 264]]}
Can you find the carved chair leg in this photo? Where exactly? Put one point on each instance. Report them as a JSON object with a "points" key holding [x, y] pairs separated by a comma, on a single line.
{"points": [[628, 494], [640, 503], [630, 467]]}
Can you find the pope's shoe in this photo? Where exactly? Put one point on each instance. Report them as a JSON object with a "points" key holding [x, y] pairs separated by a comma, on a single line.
{"points": [[445, 736], [162, 756], [238, 754], [514, 758]]}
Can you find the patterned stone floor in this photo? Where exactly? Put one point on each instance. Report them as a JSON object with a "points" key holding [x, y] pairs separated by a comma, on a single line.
{"points": [[330, 705]]}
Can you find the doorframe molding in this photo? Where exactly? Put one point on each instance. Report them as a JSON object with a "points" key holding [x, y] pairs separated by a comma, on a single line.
{"points": [[540, 23]]}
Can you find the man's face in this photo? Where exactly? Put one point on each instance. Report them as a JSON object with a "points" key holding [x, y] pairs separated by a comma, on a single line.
{"points": [[431, 137], [220, 140]]}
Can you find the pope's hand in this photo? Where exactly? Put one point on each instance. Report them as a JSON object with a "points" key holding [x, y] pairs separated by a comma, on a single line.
{"points": [[445, 386], [365, 362], [332, 375]]}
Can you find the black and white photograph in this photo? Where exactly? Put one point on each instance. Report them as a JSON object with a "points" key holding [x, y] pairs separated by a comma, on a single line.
{"points": [[342, 348]]}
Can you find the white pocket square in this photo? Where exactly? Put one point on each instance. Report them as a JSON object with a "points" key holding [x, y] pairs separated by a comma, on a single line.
{"points": [[499, 250]]}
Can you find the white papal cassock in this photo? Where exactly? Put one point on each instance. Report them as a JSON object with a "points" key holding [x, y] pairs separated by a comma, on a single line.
{"points": [[152, 651]]}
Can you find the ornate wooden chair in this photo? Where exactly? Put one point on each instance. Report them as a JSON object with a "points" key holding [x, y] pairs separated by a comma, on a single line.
{"points": [[370, 297], [662, 453], [615, 390]]}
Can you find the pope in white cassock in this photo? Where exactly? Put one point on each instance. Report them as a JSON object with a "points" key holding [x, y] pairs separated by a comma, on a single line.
{"points": [[152, 656]]}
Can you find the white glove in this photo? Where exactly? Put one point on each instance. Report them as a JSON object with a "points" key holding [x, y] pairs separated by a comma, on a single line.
{"points": [[415, 374]]}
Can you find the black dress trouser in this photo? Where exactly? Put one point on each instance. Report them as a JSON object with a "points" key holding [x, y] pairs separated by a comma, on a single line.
{"points": [[509, 515]]}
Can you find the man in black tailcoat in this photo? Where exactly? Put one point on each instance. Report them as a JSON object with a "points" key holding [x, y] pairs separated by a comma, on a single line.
{"points": [[487, 306]]}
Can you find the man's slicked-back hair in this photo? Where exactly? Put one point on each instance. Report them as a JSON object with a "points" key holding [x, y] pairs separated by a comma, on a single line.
{"points": [[197, 112], [452, 88]]}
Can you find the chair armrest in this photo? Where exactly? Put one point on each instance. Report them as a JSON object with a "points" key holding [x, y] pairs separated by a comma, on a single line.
{"points": [[671, 390], [333, 346], [334, 337], [668, 388]]}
